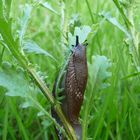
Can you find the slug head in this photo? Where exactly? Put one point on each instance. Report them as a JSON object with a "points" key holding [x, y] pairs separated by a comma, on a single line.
{"points": [[79, 50]]}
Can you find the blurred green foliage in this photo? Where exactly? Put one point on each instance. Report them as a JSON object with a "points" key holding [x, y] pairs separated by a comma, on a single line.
{"points": [[111, 109]]}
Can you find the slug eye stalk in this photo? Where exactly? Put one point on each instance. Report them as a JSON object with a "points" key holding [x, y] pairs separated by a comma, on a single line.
{"points": [[77, 40]]}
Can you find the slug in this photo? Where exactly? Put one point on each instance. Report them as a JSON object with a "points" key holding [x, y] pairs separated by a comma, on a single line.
{"points": [[74, 83]]}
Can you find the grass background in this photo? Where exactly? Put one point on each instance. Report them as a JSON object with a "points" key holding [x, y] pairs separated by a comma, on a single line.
{"points": [[114, 111]]}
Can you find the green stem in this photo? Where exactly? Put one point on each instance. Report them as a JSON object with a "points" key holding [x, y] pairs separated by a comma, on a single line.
{"points": [[13, 47], [126, 20], [57, 107], [48, 115], [1, 56], [91, 15], [135, 40], [87, 110], [4, 134], [22, 129]]}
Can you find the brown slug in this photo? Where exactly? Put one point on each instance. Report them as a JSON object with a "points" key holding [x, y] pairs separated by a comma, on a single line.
{"points": [[74, 83]]}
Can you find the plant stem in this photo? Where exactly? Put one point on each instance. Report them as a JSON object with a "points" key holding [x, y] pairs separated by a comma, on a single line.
{"points": [[135, 40], [1, 56], [57, 107], [91, 15], [129, 22], [21, 126], [4, 134], [12, 45]]}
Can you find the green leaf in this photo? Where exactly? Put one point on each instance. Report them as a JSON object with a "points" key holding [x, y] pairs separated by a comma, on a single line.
{"points": [[41, 113], [6, 35], [29, 46], [94, 29], [49, 7], [131, 76], [24, 21], [98, 71], [114, 21], [14, 82], [46, 123], [82, 32], [27, 104]]}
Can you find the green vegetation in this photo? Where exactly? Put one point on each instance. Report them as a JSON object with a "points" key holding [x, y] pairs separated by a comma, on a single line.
{"points": [[35, 43]]}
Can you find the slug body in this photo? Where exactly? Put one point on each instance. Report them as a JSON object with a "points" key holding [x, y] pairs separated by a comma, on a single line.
{"points": [[74, 83]]}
